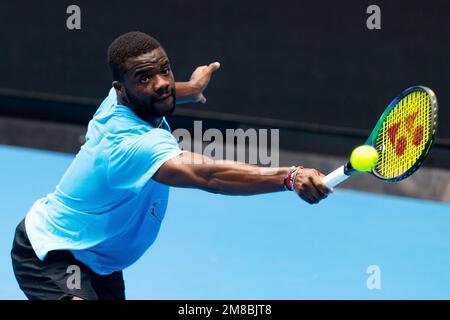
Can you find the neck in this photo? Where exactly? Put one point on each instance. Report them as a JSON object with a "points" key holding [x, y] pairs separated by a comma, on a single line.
{"points": [[152, 120]]}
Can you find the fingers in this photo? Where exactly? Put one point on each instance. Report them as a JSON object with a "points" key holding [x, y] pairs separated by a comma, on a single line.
{"points": [[310, 196], [202, 74], [214, 66], [310, 187], [202, 99], [321, 186]]}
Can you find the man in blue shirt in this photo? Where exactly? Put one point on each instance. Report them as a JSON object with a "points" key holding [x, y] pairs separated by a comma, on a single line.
{"points": [[107, 209]]}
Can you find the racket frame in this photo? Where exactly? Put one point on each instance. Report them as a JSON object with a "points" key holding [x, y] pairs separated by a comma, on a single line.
{"points": [[344, 172], [371, 140]]}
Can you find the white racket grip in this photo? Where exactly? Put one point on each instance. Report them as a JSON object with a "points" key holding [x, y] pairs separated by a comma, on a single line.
{"points": [[335, 177]]}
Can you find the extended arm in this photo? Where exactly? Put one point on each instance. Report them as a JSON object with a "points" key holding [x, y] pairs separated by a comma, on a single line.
{"points": [[191, 170]]}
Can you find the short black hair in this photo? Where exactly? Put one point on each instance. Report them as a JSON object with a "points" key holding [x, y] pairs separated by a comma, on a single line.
{"points": [[127, 45]]}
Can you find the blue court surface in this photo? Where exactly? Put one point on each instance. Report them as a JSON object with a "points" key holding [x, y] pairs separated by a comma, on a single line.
{"points": [[260, 247]]}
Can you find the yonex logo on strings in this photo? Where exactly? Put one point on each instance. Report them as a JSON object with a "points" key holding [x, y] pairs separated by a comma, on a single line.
{"points": [[415, 134]]}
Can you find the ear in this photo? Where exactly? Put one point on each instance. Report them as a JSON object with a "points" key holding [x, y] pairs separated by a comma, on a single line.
{"points": [[120, 89]]}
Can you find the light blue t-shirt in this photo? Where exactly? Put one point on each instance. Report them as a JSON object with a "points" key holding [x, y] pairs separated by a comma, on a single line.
{"points": [[107, 209]]}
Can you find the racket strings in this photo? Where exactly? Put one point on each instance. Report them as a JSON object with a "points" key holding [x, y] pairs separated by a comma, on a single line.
{"points": [[404, 135]]}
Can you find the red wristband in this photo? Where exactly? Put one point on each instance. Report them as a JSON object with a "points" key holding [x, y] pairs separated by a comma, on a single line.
{"points": [[288, 179]]}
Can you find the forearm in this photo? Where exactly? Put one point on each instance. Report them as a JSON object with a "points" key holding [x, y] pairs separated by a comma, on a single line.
{"points": [[193, 170], [185, 92], [242, 179]]}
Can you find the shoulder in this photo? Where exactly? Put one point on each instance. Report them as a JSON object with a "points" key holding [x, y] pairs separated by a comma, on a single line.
{"points": [[145, 141]]}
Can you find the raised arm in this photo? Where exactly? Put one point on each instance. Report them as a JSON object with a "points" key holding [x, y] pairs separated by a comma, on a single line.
{"points": [[192, 90], [191, 170]]}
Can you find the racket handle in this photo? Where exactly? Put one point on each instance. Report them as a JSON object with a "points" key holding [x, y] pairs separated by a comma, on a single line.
{"points": [[335, 177]]}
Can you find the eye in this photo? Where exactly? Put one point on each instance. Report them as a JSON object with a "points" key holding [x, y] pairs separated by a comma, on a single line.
{"points": [[144, 79], [165, 70]]}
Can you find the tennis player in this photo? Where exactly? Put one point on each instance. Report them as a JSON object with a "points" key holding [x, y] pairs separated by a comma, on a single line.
{"points": [[107, 209]]}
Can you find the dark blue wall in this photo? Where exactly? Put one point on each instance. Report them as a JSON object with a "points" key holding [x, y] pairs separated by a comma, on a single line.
{"points": [[308, 61]]}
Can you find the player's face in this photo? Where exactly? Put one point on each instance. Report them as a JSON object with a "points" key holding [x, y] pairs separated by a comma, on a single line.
{"points": [[149, 85]]}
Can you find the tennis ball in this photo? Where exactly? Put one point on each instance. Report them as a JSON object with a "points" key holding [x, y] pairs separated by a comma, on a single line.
{"points": [[364, 158]]}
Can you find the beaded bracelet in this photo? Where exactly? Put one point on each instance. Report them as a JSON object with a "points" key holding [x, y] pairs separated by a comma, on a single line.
{"points": [[289, 180]]}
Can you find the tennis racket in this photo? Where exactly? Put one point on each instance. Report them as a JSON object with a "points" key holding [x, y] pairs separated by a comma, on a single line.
{"points": [[403, 137]]}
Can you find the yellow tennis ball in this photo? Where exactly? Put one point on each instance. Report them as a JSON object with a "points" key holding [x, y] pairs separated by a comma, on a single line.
{"points": [[364, 158]]}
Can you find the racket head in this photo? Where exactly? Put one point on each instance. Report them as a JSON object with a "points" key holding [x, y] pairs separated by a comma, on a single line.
{"points": [[404, 134]]}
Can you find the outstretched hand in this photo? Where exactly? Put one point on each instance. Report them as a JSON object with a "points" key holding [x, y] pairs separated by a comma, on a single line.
{"points": [[200, 79]]}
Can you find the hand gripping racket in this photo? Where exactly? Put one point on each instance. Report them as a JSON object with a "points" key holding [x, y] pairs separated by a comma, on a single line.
{"points": [[403, 137]]}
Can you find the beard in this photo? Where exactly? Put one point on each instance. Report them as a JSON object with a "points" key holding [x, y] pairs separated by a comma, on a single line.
{"points": [[149, 107]]}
